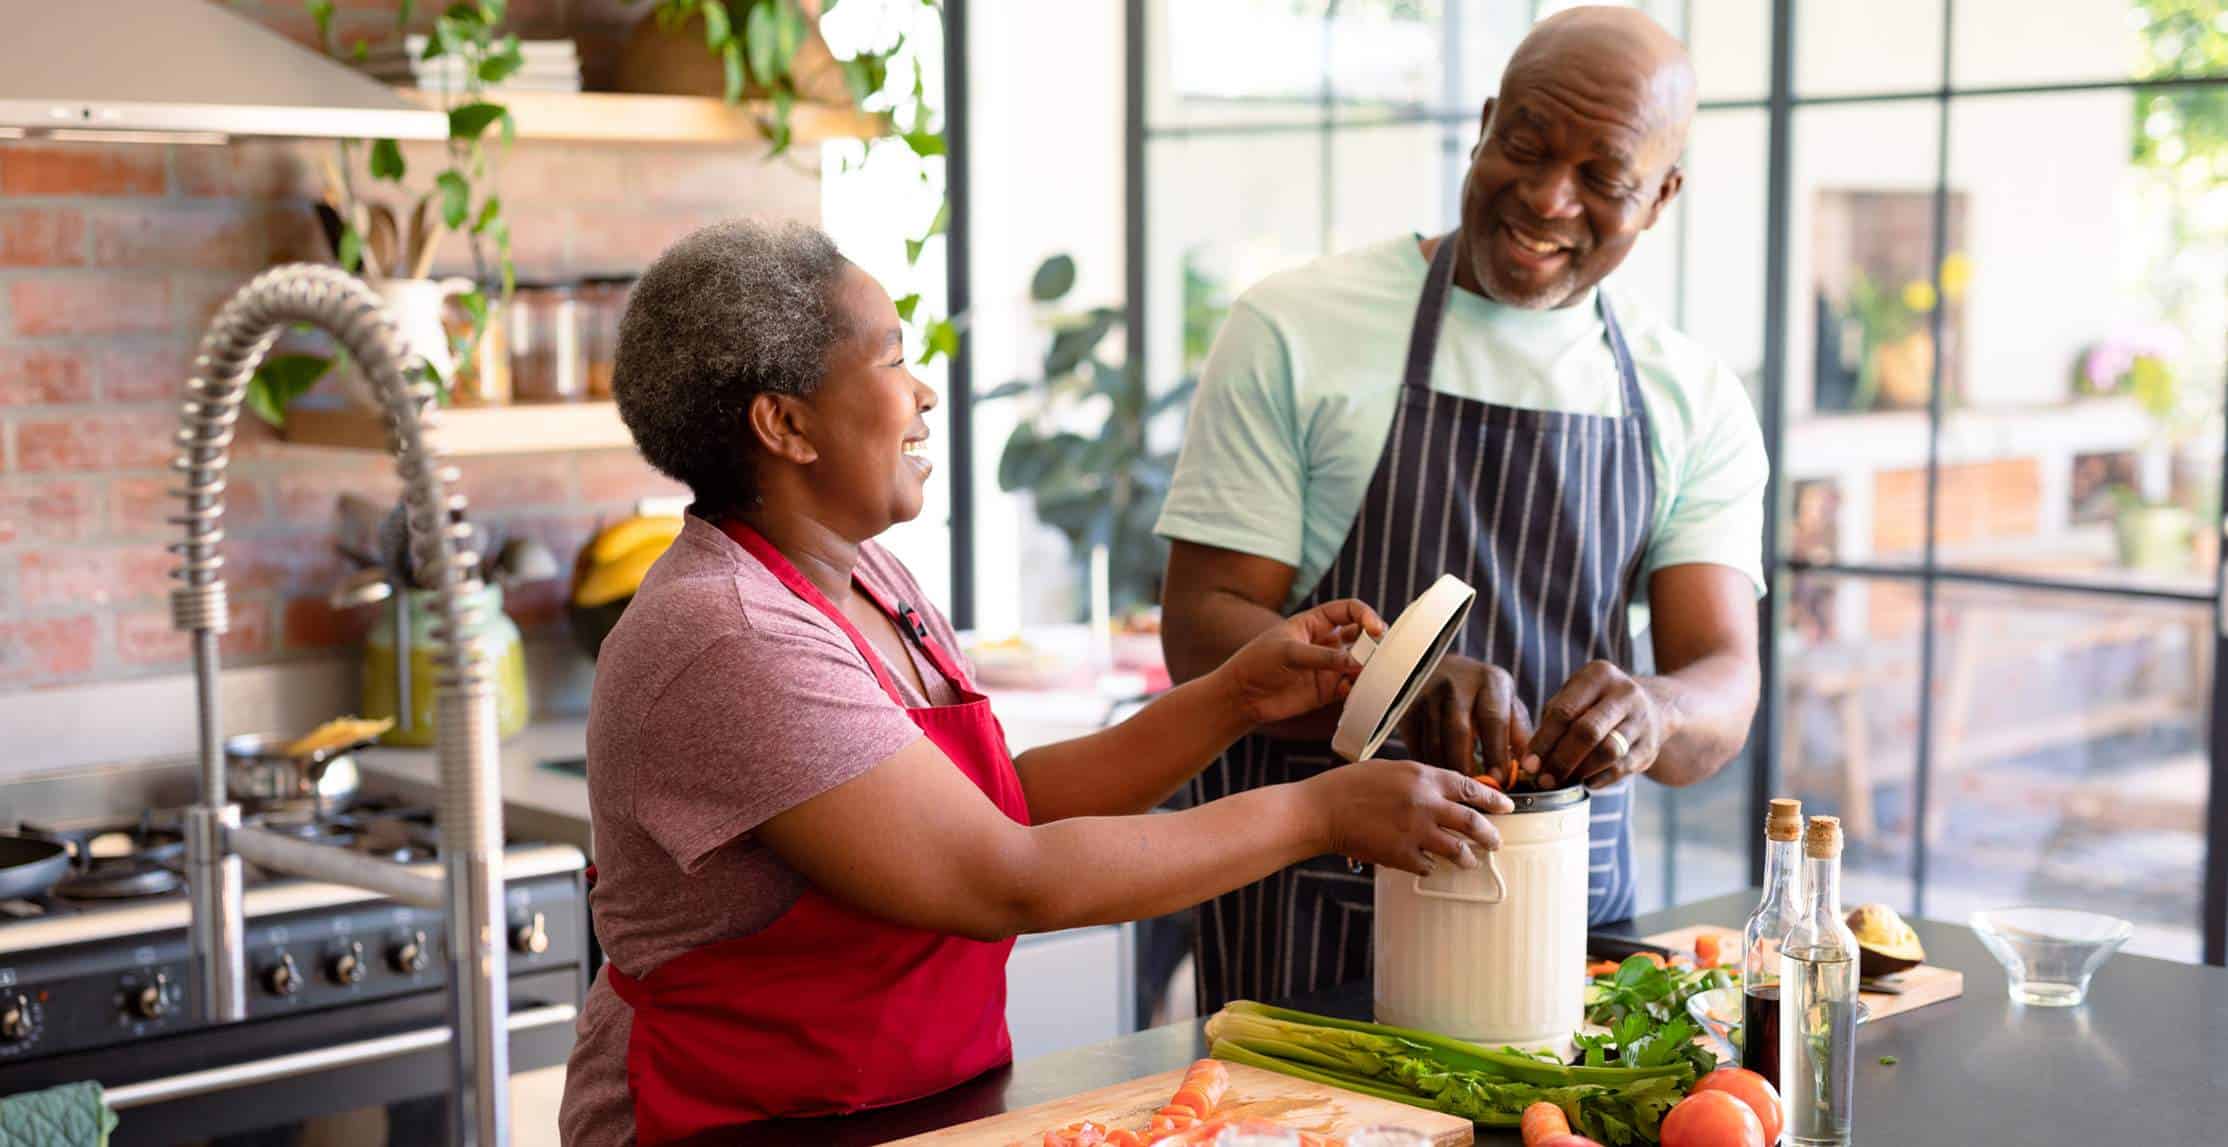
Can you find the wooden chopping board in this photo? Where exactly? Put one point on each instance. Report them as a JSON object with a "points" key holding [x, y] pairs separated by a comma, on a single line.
{"points": [[1253, 1092], [1923, 985]]}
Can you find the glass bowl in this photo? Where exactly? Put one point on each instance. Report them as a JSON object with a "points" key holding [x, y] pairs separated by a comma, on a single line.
{"points": [[2049, 954]]}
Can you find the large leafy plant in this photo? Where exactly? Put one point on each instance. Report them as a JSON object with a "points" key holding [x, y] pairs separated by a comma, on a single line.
{"points": [[462, 195], [1082, 448]]}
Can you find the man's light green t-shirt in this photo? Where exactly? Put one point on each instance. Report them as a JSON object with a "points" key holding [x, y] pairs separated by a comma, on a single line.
{"points": [[1298, 395]]}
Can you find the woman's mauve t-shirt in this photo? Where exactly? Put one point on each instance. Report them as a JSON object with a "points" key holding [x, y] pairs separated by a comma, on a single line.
{"points": [[722, 699]]}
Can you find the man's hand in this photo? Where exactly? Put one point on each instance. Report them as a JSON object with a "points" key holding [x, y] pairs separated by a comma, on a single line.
{"points": [[1468, 707], [1602, 726]]}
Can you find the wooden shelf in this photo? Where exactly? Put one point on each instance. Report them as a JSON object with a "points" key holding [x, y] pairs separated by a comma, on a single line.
{"points": [[619, 117], [469, 431]]}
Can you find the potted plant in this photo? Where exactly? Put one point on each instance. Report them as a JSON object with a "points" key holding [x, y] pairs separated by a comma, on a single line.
{"points": [[2152, 533], [1082, 450], [394, 253], [769, 50], [1886, 339]]}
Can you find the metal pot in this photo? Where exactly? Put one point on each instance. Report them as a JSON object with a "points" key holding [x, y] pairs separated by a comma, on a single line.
{"points": [[264, 777]]}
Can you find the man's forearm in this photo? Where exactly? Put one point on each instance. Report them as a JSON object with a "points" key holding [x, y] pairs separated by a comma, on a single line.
{"points": [[1706, 707]]}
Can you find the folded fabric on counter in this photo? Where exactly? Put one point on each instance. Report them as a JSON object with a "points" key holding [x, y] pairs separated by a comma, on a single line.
{"points": [[72, 1115]]}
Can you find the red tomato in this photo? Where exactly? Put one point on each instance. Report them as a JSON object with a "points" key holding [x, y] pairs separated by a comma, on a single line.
{"points": [[1752, 1089], [1712, 1119]]}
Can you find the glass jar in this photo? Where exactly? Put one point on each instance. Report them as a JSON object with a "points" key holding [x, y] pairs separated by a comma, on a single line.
{"points": [[484, 375], [603, 302], [505, 650], [546, 363]]}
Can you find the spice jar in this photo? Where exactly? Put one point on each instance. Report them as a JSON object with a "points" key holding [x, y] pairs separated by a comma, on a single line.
{"points": [[603, 302], [546, 363]]}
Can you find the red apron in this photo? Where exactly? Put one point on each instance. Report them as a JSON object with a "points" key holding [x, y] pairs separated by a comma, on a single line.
{"points": [[827, 1010]]}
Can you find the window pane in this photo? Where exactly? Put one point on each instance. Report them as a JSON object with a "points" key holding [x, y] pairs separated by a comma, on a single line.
{"points": [[1692, 843], [1230, 211], [2083, 374], [1861, 223], [1369, 57], [1388, 181], [1731, 43], [2070, 763], [1848, 723], [1879, 46], [1722, 211], [1999, 42]]}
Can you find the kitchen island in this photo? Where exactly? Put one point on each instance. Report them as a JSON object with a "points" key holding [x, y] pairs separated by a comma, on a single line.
{"points": [[2144, 1061]]}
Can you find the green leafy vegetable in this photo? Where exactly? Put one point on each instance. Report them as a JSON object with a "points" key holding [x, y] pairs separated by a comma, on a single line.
{"points": [[1614, 1105]]}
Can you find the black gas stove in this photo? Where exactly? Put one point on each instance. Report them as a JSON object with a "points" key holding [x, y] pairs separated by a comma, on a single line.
{"points": [[348, 1002]]}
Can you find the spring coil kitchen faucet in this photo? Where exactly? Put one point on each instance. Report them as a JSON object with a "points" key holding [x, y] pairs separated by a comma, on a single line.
{"points": [[469, 814]]}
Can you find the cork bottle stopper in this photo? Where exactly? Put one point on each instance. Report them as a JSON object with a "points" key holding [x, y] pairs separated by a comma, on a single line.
{"points": [[1822, 840], [1785, 821]]}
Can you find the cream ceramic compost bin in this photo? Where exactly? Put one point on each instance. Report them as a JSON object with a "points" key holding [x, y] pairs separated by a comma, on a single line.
{"points": [[1496, 954]]}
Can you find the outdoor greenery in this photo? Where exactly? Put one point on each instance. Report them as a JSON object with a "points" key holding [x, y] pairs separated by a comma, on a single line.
{"points": [[1084, 450]]}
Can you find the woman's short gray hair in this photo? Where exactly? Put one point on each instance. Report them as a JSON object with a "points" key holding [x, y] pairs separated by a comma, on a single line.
{"points": [[730, 312]]}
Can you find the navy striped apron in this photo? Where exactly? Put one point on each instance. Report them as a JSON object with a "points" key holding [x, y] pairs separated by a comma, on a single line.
{"points": [[1547, 514]]}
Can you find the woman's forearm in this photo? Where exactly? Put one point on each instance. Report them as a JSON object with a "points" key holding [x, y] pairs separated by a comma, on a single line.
{"points": [[1133, 766], [1104, 870]]}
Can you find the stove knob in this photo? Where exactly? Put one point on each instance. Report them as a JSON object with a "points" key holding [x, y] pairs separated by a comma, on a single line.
{"points": [[19, 1019], [283, 978], [347, 967], [408, 957], [532, 937], [151, 1002]]}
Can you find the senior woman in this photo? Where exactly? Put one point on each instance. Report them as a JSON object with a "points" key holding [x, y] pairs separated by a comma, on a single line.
{"points": [[812, 848]]}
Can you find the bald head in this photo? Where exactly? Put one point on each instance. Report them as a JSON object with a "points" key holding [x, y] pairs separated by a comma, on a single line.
{"points": [[1576, 156], [1617, 58]]}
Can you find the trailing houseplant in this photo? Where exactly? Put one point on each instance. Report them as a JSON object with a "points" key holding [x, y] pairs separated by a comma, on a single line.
{"points": [[462, 195], [771, 51]]}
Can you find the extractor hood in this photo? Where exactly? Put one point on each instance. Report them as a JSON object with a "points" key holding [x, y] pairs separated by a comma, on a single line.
{"points": [[181, 71]]}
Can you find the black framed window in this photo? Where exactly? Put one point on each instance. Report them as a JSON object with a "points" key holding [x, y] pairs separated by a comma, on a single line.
{"points": [[1972, 260]]}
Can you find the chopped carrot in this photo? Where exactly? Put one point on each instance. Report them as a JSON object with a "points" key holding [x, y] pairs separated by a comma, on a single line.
{"points": [[1707, 949], [1512, 774], [1652, 958], [1543, 1121], [1491, 781], [1602, 968], [1124, 1138]]}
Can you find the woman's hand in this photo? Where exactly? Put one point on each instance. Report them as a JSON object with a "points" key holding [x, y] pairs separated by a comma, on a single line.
{"points": [[1301, 664], [1405, 814]]}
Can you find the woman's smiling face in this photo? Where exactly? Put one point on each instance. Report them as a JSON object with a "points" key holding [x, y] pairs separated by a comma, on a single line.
{"points": [[870, 431]]}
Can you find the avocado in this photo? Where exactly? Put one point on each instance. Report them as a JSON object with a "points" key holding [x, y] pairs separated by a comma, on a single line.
{"points": [[1885, 944]]}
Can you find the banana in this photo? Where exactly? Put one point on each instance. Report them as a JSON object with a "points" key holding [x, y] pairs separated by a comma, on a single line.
{"points": [[609, 581], [620, 540]]}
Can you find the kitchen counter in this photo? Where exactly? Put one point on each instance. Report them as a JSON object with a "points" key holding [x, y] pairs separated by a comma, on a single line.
{"points": [[2144, 1061]]}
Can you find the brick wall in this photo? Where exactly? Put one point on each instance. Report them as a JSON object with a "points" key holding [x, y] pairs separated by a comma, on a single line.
{"points": [[111, 261]]}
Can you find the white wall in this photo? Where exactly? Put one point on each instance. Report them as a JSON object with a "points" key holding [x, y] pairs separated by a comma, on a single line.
{"points": [[1045, 88]]}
